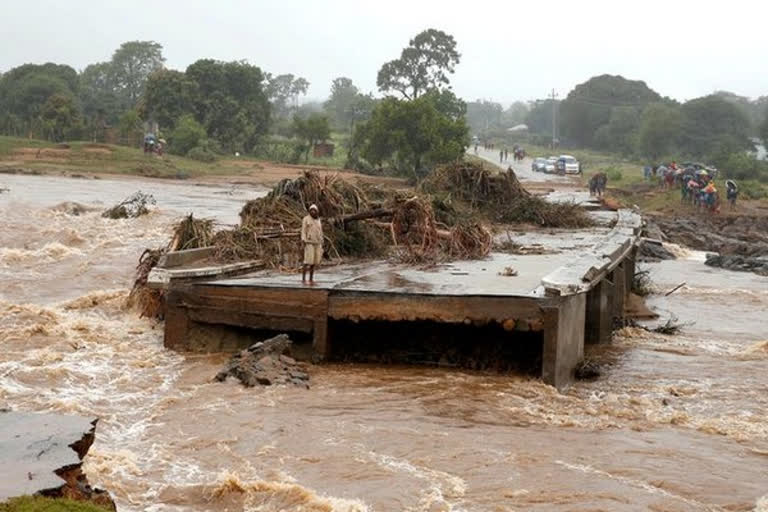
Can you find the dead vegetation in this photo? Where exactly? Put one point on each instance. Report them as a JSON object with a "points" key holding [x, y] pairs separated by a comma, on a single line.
{"points": [[499, 197], [148, 301], [448, 218], [671, 327], [355, 225], [642, 284], [131, 207], [192, 233]]}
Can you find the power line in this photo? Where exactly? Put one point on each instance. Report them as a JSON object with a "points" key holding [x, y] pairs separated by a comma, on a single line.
{"points": [[554, 124]]}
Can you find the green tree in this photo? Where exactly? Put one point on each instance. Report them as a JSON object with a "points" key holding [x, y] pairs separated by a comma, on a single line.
{"points": [[24, 90], [361, 108], [132, 64], [187, 134], [283, 92], [621, 131], [168, 95], [589, 105], [230, 102], [340, 104], [423, 65], [660, 127], [313, 130], [764, 129], [101, 104], [130, 127], [411, 135], [710, 124], [61, 115]]}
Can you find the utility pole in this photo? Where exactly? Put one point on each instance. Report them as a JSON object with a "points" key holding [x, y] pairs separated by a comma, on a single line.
{"points": [[554, 122]]}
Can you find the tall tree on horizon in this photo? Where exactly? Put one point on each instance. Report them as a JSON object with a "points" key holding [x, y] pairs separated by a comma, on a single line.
{"points": [[423, 65], [132, 64]]}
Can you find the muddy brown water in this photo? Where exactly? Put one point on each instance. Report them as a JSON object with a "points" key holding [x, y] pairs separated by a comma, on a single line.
{"points": [[675, 423]]}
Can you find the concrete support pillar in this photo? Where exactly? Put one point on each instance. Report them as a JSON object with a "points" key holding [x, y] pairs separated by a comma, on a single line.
{"points": [[620, 290], [629, 270], [177, 323], [599, 316], [563, 339], [321, 349]]}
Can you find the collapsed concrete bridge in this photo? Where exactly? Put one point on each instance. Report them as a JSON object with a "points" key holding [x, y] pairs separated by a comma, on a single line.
{"points": [[566, 294]]}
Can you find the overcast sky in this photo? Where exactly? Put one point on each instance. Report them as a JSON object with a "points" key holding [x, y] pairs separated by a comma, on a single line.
{"points": [[510, 49]]}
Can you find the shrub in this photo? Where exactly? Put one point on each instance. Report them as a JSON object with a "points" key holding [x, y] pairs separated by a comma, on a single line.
{"points": [[279, 150], [753, 190], [202, 154], [187, 135], [614, 174]]}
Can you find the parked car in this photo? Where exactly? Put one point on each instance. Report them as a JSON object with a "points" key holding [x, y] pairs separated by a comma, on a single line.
{"points": [[567, 164], [552, 165], [539, 165]]}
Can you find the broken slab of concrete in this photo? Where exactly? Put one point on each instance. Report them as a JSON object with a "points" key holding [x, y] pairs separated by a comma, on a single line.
{"points": [[42, 454]]}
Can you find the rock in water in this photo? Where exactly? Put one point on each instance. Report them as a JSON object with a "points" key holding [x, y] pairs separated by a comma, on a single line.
{"points": [[758, 265], [266, 363], [652, 251]]}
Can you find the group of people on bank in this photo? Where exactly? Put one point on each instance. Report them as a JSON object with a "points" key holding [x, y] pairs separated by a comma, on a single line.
{"points": [[695, 182]]}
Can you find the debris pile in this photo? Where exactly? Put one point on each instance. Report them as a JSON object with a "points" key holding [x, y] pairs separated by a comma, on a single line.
{"points": [[191, 233], [414, 230], [130, 208], [470, 240], [266, 363], [499, 197], [474, 184], [354, 225], [148, 301]]}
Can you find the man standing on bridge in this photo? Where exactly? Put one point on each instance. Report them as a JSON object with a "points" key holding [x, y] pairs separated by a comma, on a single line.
{"points": [[312, 238]]}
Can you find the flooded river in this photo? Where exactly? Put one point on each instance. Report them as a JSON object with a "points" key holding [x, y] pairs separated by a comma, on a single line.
{"points": [[676, 423]]}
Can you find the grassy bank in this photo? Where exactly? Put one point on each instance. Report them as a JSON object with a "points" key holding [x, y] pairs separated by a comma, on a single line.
{"points": [[40, 504], [86, 157]]}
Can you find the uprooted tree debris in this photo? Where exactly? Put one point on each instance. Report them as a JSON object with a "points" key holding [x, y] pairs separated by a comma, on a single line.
{"points": [[190, 233], [131, 207], [447, 218], [147, 300], [498, 197], [266, 363]]}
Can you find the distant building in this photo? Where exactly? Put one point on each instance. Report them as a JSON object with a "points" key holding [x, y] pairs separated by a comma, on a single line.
{"points": [[519, 128]]}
